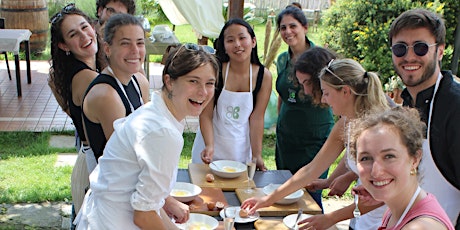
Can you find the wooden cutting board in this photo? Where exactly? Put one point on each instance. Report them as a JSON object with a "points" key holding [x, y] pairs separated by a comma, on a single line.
{"points": [[198, 173], [308, 205], [199, 204], [262, 224]]}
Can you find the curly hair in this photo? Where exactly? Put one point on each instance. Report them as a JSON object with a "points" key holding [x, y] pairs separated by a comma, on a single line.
{"points": [[130, 5], [60, 62], [406, 121]]}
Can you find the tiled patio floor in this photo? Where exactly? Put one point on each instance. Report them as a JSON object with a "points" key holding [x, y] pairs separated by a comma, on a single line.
{"points": [[37, 109]]}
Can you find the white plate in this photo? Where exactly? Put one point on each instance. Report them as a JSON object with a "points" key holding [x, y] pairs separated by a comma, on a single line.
{"points": [[290, 220], [199, 219], [238, 219]]}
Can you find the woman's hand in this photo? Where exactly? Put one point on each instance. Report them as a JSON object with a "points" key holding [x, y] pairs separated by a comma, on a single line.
{"points": [[365, 198], [260, 164], [254, 203], [317, 222], [340, 185], [317, 184], [207, 154], [177, 210]]}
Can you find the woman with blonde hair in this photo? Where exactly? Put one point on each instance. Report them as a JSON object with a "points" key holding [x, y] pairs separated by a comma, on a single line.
{"points": [[351, 92]]}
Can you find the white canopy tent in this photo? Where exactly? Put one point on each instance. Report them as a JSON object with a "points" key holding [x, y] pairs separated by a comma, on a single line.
{"points": [[205, 16]]}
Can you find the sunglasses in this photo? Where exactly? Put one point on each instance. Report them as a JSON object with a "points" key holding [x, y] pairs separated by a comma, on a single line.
{"points": [[67, 9], [194, 47], [420, 49], [330, 71]]}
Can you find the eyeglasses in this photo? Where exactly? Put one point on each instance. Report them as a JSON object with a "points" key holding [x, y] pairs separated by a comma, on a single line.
{"points": [[420, 48], [111, 11], [195, 47], [330, 71], [67, 9]]}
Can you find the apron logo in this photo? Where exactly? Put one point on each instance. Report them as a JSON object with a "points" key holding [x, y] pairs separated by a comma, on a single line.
{"points": [[233, 112], [291, 97]]}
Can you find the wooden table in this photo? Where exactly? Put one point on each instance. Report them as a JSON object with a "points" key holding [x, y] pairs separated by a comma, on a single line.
{"points": [[261, 180], [10, 40]]}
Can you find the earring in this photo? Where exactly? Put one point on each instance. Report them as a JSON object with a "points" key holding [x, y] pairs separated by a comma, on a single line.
{"points": [[413, 171], [170, 95], [67, 53]]}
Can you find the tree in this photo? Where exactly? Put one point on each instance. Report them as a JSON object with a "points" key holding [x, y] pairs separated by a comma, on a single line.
{"points": [[359, 30]]}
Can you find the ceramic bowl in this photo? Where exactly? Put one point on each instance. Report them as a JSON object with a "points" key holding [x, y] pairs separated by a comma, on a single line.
{"points": [[185, 192], [199, 222], [227, 168], [289, 199]]}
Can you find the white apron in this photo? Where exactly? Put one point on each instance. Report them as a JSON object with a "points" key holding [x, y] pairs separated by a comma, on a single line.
{"points": [[231, 126], [432, 180]]}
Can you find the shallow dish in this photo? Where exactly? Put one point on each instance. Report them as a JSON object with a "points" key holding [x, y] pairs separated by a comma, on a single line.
{"points": [[289, 199], [185, 192], [199, 222], [290, 220], [227, 168], [238, 219]]}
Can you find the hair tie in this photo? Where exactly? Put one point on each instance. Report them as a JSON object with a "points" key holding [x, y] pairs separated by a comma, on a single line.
{"points": [[366, 78]]}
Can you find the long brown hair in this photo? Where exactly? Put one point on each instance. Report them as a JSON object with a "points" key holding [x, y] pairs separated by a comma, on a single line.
{"points": [[61, 62]]}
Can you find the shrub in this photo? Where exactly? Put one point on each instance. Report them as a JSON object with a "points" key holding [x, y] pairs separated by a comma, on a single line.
{"points": [[359, 30]]}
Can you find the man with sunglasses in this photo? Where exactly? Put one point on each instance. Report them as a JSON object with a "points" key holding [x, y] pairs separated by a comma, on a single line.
{"points": [[417, 39]]}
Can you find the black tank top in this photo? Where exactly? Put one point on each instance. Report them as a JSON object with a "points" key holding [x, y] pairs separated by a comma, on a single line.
{"points": [[76, 111], [94, 131]]}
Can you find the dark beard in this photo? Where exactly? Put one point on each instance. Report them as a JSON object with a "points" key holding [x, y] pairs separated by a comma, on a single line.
{"points": [[431, 67]]}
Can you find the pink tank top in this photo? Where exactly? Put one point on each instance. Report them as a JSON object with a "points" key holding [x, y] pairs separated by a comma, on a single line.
{"points": [[429, 206]]}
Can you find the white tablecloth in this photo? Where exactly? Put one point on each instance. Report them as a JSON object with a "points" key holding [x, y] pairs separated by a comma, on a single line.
{"points": [[11, 38]]}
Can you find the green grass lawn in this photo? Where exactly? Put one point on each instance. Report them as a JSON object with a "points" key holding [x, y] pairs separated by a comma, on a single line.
{"points": [[28, 171]]}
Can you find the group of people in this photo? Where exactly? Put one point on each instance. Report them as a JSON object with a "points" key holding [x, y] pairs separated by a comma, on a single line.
{"points": [[131, 141], [404, 157]]}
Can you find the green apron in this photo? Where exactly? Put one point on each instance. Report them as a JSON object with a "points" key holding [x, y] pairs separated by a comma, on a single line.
{"points": [[302, 127]]}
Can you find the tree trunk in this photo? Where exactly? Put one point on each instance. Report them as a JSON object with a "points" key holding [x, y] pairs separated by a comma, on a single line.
{"points": [[203, 41], [235, 9]]}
